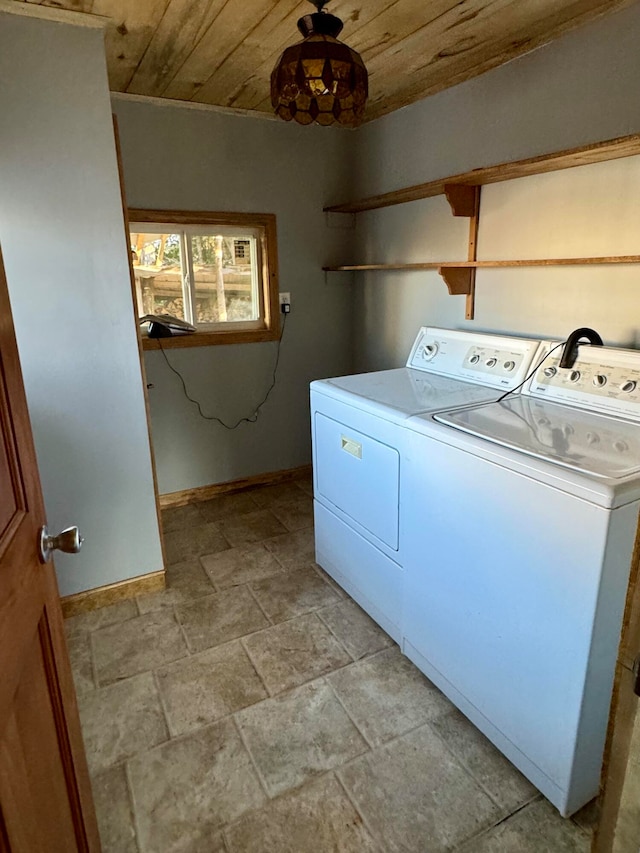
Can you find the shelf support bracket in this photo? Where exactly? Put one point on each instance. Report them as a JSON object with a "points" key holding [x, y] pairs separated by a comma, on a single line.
{"points": [[462, 198], [465, 201], [474, 224], [460, 281]]}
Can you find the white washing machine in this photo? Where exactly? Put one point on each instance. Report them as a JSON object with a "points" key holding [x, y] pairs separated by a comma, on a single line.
{"points": [[357, 428], [520, 523]]}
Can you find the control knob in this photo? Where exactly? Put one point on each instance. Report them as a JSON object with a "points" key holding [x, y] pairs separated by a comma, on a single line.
{"points": [[475, 358], [509, 365], [550, 371], [599, 380], [491, 362], [429, 350], [620, 446], [628, 386], [593, 438], [574, 376]]}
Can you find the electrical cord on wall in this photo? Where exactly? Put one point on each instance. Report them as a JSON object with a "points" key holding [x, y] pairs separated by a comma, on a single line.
{"points": [[251, 419], [535, 369]]}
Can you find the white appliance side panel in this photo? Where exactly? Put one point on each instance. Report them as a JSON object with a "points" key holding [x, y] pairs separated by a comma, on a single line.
{"points": [[358, 474], [502, 584], [362, 570], [542, 782], [606, 637]]}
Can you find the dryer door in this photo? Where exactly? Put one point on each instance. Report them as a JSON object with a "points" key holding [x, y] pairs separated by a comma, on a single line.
{"points": [[359, 475]]}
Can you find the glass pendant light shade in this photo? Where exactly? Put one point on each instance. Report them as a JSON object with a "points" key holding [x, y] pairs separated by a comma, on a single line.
{"points": [[320, 79]]}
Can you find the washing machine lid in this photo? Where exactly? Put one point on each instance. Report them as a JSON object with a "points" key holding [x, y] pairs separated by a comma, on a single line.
{"points": [[587, 443], [404, 392]]}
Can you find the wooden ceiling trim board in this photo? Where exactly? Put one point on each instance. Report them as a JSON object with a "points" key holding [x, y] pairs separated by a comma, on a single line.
{"points": [[83, 6], [74, 15], [192, 105], [128, 36], [182, 26], [231, 27], [424, 84]]}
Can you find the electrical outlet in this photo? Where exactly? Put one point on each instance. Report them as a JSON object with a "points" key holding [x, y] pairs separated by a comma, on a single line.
{"points": [[285, 299]]}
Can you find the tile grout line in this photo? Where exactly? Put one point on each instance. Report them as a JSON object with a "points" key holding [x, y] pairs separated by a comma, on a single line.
{"points": [[374, 835], [471, 774], [332, 632], [260, 607], [254, 764], [487, 829], [255, 666], [358, 729], [132, 806], [94, 666], [183, 633], [165, 713]]}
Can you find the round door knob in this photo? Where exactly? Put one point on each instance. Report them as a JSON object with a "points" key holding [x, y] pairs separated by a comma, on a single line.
{"points": [[628, 386], [68, 541]]}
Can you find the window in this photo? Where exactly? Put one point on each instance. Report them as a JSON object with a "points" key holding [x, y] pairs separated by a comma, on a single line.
{"points": [[217, 271]]}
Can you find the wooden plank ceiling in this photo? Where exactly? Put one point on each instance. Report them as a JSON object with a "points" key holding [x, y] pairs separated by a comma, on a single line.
{"points": [[222, 51]]}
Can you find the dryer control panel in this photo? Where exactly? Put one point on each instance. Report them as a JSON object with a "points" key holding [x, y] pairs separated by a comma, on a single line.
{"points": [[603, 379], [494, 360]]}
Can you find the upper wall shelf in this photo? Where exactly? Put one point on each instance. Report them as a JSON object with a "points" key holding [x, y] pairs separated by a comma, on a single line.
{"points": [[463, 194], [623, 146]]}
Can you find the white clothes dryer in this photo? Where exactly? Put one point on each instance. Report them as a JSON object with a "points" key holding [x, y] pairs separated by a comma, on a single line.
{"points": [[357, 428], [520, 518]]}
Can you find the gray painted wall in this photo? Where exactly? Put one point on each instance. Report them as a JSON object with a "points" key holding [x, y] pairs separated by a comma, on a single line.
{"points": [[186, 159], [582, 88], [65, 256]]}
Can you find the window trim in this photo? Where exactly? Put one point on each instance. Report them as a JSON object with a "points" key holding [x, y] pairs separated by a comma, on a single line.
{"points": [[270, 330]]}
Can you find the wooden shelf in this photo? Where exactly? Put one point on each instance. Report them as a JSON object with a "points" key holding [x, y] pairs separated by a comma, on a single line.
{"points": [[624, 146], [459, 276], [535, 262], [463, 194]]}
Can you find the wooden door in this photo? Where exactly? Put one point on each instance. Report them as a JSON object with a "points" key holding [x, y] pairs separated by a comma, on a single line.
{"points": [[45, 794]]}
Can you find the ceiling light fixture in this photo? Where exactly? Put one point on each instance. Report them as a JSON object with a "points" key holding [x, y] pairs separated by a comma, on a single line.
{"points": [[320, 79]]}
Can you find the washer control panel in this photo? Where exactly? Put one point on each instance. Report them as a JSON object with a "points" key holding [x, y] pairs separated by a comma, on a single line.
{"points": [[494, 360], [602, 379]]}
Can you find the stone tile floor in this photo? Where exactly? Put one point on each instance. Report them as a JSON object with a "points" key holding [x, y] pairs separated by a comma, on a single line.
{"points": [[252, 707]]}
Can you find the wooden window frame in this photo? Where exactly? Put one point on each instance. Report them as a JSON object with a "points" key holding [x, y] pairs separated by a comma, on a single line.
{"points": [[266, 222]]}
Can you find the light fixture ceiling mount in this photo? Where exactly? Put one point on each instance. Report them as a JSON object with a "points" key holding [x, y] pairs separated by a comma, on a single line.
{"points": [[320, 78]]}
